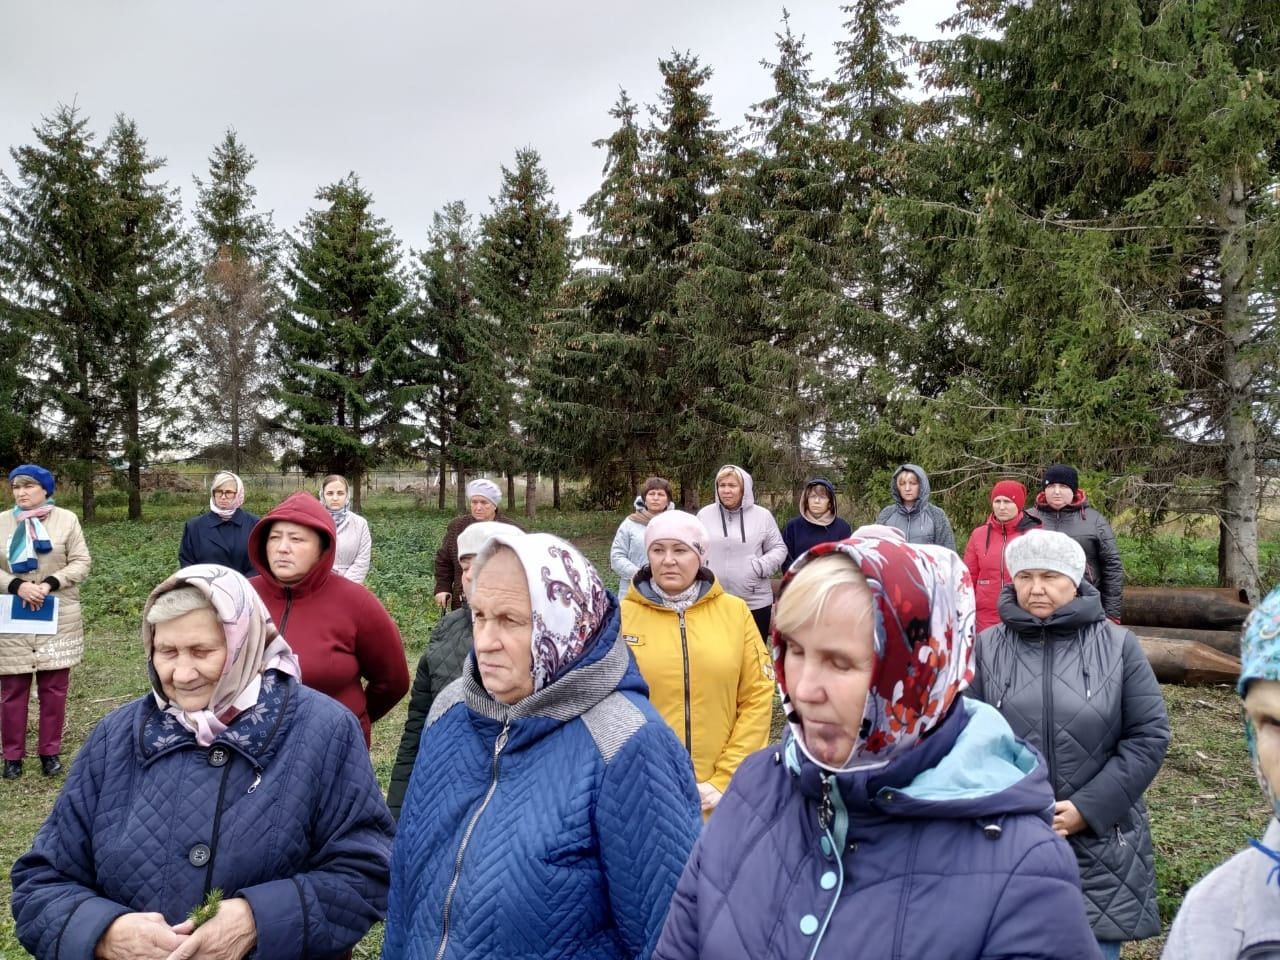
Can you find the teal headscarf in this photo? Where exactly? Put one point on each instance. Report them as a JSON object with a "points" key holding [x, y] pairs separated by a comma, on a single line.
{"points": [[1260, 660]]}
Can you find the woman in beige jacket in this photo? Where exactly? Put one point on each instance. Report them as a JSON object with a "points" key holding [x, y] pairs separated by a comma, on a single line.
{"points": [[45, 557]]}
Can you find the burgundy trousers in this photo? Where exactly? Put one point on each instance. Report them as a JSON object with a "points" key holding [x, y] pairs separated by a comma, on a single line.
{"points": [[15, 691]]}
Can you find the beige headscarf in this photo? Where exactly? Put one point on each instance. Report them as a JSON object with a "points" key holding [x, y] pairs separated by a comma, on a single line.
{"points": [[254, 645]]}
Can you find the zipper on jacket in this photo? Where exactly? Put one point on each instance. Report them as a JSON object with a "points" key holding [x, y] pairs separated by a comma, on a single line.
{"points": [[1007, 684], [288, 603], [1046, 693], [1088, 694], [217, 822], [498, 746], [684, 651], [1120, 837]]}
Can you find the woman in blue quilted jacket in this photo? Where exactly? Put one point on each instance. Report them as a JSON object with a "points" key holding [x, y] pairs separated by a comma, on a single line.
{"points": [[897, 818], [550, 809], [228, 778]]}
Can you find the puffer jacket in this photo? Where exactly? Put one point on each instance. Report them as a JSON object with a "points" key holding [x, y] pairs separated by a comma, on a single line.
{"points": [[68, 563], [555, 827], [801, 532], [707, 671], [353, 552], [1082, 692], [984, 556], [922, 522], [440, 664], [1087, 527], [347, 643], [746, 547], [944, 854], [1233, 913], [283, 809], [627, 554]]}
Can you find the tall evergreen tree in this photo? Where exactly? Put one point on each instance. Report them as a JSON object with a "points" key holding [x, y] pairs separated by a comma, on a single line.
{"points": [[60, 249], [521, 263], [228, 329], [149, 266], [459, 371], [341, 345]]}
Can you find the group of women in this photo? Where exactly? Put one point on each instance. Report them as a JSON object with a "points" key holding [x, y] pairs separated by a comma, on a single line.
{"points": [[935, 794]]}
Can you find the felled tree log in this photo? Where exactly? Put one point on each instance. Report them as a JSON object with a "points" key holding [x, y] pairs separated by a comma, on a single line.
{"points": [[1224, 641], [1185, 608], [1189, 663]]}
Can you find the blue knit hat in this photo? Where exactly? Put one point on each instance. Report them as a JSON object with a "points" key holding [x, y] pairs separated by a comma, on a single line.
{"points": [[37, 473]]}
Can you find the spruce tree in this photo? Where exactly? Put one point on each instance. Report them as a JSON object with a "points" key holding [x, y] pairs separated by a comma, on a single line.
{"points": [[521, 263], [228, 319], [340, 344]]}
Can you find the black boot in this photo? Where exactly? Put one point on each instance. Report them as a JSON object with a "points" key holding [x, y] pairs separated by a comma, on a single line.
{"points": [[12, 769], [50, 765]]}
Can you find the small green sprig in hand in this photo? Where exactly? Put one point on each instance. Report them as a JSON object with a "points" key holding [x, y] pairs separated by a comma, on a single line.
{"points": [[207, 910]]}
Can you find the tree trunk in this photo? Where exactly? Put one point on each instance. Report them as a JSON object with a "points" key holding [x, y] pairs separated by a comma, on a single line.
{"points": [[444, 479], [1240, 491], [555, 490], [511, 490], [357, 482], [530, 494], [133, 448], [460, 479], [688, 494]]}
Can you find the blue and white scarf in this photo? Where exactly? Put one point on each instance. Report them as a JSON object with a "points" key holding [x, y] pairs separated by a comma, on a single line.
{"points": [[29, 537]]}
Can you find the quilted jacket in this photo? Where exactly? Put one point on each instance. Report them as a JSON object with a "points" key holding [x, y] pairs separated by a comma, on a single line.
{"points": [[552, 828], [1087, 527], [707, 671], [283, 809], [1080, 689], [1233, 913], [440, 664], [922, 522], [944, 854], [68, 563]]}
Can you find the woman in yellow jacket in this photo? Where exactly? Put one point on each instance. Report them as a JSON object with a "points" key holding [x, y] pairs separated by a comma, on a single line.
{"points": [[700, 652]]}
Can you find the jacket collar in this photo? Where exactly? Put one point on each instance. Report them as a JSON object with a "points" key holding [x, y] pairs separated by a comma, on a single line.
{"points": [[1084, 610], [643, 582], [252, 734]]}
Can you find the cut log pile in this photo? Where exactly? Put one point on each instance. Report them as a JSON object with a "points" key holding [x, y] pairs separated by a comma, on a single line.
{"points": [[1191, 635]]}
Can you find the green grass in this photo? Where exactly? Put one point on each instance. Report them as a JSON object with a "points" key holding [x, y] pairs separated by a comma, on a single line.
{"points": [[1204, 804]]}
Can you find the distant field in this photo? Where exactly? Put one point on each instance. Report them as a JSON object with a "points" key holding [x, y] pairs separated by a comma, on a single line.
{"points": [[1205, 803]]}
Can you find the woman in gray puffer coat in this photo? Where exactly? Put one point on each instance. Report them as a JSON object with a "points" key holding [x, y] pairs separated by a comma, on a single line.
{"points": [[1081, 691], [912, 513]]}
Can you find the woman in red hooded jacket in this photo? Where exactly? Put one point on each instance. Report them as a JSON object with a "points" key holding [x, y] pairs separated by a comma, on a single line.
{"points": [[347, 643], [984, 554]]}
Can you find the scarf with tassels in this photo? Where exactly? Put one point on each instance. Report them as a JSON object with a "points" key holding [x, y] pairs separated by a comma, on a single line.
{"points": [[29, 537]]}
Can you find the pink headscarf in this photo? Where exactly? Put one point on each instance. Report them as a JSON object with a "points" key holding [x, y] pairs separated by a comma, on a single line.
{"points": [[253, 647], [924, 614], [222, 477]]}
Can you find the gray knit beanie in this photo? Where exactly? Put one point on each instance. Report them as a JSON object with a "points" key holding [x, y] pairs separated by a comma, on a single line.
{"points": [[1045, 550]]}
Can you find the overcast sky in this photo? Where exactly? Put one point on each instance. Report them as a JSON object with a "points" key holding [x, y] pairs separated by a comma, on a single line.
{"points": [[423, 100]]}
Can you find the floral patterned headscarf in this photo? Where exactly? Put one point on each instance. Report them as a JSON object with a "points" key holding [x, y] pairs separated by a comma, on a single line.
{"points": [[253, 647], [924, 615], [567, 596], [1260, 660]]}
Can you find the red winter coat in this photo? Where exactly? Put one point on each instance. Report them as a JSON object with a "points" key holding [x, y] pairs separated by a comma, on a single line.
{"points": [[338, 629], [984, 556]]}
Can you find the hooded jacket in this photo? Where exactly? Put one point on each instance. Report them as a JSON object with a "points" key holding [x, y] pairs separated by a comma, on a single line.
{"points": [[801, 532], [945, 854], [1087, 527], [283, 809], [746, 547], [921, 522], [707, 671], [553, 827], [627, 554], [338, 629], [1082, 692], [984, 556]]}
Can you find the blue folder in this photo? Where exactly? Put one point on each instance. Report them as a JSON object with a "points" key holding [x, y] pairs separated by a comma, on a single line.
{"points": [[19, 611]]}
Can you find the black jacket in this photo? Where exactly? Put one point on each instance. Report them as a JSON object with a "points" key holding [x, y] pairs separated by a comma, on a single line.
{"points": [[1081, 691], [440, 664]]}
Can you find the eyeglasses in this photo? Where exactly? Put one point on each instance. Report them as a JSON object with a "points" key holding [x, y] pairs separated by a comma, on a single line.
{"points": [[224, 494]]}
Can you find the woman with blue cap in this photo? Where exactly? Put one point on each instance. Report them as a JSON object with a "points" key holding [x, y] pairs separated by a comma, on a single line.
{"points": [[1235, 910], [44, 563]]}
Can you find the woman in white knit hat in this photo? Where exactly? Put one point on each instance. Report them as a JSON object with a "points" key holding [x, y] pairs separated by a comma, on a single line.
{"points": [[699, 651], [483, 500], [1080, 690]]}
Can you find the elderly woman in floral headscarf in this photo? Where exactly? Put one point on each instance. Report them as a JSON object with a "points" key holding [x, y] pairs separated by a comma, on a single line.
{"points": [[45, 561], [222, 535], [897, 818], [1235, 910], [230, 777], [550, 809]]}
